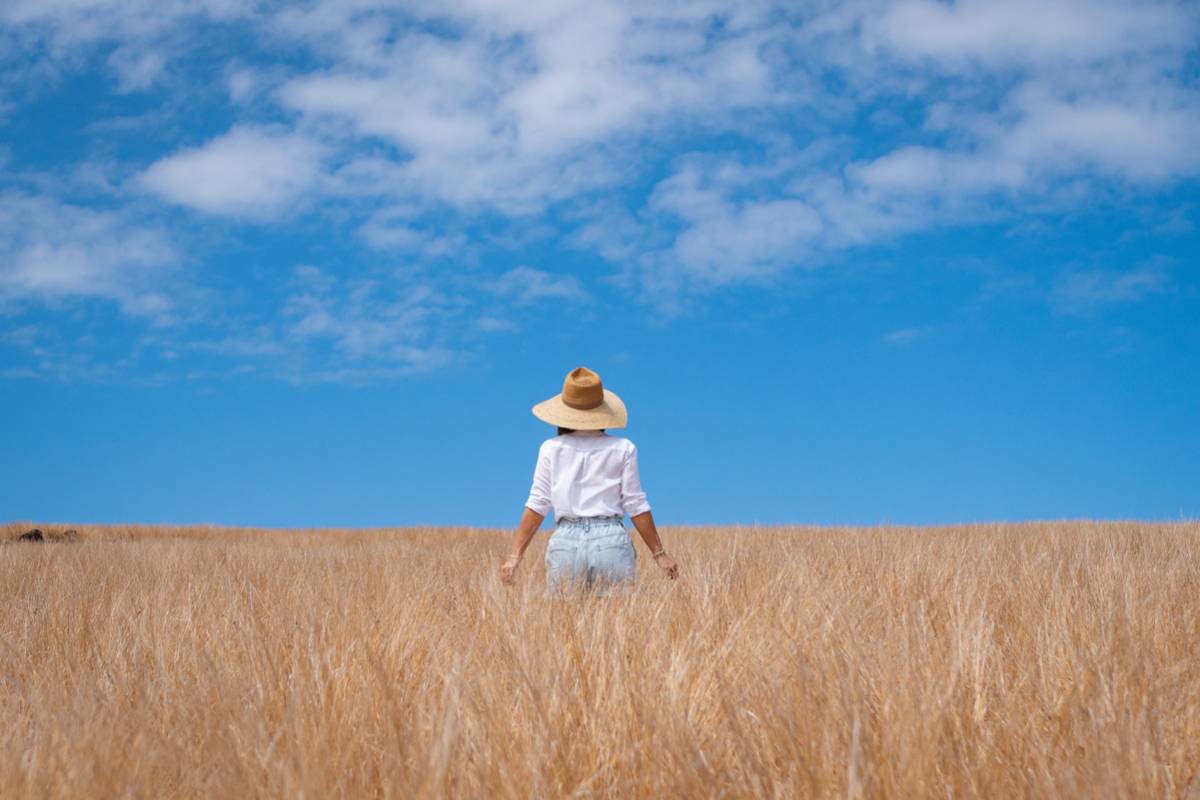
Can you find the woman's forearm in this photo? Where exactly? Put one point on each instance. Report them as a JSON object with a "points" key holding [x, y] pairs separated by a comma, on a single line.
{"points": [[644, 523], [526, 528]]}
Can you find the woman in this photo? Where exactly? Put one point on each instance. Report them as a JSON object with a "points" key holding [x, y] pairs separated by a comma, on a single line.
{"points": [[591, 481]]}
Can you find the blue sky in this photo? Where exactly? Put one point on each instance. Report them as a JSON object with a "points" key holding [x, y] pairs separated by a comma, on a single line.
{"points": [[311, 263]]}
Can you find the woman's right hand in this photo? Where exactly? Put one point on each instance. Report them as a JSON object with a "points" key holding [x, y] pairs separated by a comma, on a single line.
{"points": [[668, 565], [508, 571]]}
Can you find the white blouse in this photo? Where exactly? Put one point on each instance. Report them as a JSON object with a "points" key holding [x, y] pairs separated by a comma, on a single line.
{"points": [[587, 474]]}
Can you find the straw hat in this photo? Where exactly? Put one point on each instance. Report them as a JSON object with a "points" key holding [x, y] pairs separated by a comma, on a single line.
{"points": [[584, 404]]}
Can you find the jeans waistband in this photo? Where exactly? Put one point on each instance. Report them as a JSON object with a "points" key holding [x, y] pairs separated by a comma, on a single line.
{"points": [[587, 522]]}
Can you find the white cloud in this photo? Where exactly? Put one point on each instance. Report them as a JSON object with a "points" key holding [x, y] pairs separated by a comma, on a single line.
{"points": [[524, 286], [693, 145], [1083, 291], [725, 240], [242, 82], [330, 329], [137, 68], [249, 172], [902, 337], [70, 24], [489, 324], [1022, 93], [1141, 137], [391, 229], [1017, 32], [52, 251], [364, 320], [510, 106], [517, 122], [1036, 141], [915, 169], [524, 104]]}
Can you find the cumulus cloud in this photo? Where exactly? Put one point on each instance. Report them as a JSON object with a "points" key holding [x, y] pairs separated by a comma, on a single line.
{"points": [[692, 145], [249, 172], [725, 240], [137, 68], [51, 251], [508, 107], [1023, 102], [1039, 137], [1018, 94], [69, 24], [1020, 32], [394, 230], [1143, 136], [524, 104]]}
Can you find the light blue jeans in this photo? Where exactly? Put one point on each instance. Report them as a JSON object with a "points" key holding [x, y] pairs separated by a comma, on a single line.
{"points": [[590, 552]]}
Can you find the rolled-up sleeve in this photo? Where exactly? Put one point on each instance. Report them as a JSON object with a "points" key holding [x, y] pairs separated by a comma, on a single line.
{"points": [[633, 499], [539, 493]]}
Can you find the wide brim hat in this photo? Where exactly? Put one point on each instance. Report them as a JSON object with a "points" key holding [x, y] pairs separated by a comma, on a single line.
{"points": [[584, 404]]}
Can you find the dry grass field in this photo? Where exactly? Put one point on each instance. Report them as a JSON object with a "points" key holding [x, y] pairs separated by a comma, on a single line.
{"points": [[1038, 660]]}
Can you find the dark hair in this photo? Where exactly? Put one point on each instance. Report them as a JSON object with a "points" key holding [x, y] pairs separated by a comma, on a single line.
{"points": [[562, 430]]}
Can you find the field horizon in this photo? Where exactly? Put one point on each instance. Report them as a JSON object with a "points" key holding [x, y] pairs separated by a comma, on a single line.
{"points": [[105, 531], [1033, 659]]}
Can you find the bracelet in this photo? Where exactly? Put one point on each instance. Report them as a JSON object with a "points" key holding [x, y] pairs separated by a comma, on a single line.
{"points": [[518, 558], [658, 553]]}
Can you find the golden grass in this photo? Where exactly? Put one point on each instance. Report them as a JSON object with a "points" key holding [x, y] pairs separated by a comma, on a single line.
{"points": [[1038, 660]]}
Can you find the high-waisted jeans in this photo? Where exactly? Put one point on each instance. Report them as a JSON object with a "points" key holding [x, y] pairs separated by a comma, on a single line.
{"points": [[590, 551]]}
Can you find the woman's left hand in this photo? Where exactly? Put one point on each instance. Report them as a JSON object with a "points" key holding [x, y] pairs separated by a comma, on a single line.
{"points": [[508, 572]]}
